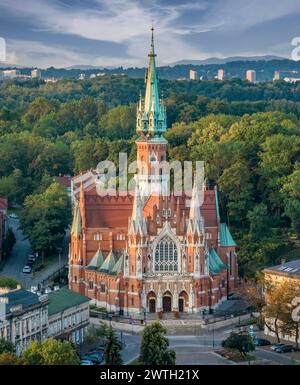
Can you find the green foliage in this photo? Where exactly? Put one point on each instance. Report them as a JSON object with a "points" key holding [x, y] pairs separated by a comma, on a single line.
{"points": [[112, 354], [45, 218], [247, 134], [9, 282], [241, 342], [155, 346], [7, 358], [6, 346], [50, 352]]}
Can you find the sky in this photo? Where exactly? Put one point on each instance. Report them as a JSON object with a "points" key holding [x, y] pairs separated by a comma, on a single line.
{"points": [[64, 33]]}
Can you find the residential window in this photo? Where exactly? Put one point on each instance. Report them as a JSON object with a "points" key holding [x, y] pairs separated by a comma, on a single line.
{"points": [[91, 285]]}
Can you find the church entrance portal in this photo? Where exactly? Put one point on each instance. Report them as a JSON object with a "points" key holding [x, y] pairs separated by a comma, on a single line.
{"points": [[167, 303], [181, 305], [152, 306]]}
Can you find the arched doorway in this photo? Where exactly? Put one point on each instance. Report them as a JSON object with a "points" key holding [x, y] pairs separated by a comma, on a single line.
{"points": [[167, 302], [152, 305], [182, 301], [151, 302]]}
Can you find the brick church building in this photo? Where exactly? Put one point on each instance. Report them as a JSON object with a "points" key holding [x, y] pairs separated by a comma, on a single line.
{"points": [[150, 252]]}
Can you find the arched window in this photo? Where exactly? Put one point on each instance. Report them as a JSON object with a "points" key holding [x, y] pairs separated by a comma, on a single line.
{"points": [[166, 256]]}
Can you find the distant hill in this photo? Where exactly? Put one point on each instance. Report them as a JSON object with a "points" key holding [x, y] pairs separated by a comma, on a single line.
{"points": [[85, 67], [215, 60], [8, 65]]}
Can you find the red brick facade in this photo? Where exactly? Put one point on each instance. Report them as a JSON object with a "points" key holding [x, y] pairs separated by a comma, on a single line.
{"points": [[155, 253]]}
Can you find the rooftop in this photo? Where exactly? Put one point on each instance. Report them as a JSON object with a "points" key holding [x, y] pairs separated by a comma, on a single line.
{"points": [[291, 268], [15, 298], [64, 299]]}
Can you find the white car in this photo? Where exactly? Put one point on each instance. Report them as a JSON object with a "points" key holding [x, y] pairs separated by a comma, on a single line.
{"points": [[27, 269], [13, 215]]}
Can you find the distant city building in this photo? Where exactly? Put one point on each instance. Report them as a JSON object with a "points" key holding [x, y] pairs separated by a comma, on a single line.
{"points": [[251, 76], [3, 224], [36, 74], [291, 80], [50, 80], [68, 315], [221, 74], [23, 317], [276, 75], [1, 76], [11, 74], [193, 75], [92, 76], [81, 77]]}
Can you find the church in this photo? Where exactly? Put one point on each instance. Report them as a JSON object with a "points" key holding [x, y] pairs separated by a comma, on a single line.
{"points": [[150, 252]]}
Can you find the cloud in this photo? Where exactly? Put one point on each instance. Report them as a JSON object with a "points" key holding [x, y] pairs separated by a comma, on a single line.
{"points": [[184, 30]]}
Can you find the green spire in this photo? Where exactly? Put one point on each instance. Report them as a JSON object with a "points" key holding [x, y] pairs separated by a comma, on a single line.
{"points": [[151, 113], [77, 223], [151, 97]]}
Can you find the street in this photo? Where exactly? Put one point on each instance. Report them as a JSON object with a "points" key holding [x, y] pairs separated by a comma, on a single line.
{"points": [[201, 349], [18, 258]]}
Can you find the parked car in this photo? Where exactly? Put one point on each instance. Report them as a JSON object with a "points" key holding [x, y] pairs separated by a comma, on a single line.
{"points": [[275, 346], [285, 349], [13, 216], [96, 358], [261, 342], [29, 263], [27, 269], [86, 362], [31, 257]]}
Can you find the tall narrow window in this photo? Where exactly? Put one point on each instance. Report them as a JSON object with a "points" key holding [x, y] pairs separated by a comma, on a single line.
{"points": [[166, 256]]}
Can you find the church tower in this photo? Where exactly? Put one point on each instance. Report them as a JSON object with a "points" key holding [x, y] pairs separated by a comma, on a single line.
{"points": [[151, 123]]}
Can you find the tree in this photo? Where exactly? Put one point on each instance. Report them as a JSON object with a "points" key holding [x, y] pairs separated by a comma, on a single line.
{"points": [[10, 359], [112, 353], [50, 352], [290, 326], [292, 211], [45, 218], [241, 342], [274, 311], [155, 346], [252, 290], [6, 346], [260, 222]]}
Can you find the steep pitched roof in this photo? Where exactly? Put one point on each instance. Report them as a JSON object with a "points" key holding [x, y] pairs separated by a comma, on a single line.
{"points": [[216, 265], [226, 239], [108, 263], [97, 261], [118, 266]]}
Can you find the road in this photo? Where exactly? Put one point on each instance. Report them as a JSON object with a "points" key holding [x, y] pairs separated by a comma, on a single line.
{"points": [[18, 258], [200, 350]]}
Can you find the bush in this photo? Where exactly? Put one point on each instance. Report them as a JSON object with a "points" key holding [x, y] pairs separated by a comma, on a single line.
{"points": [[9, 282]]}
